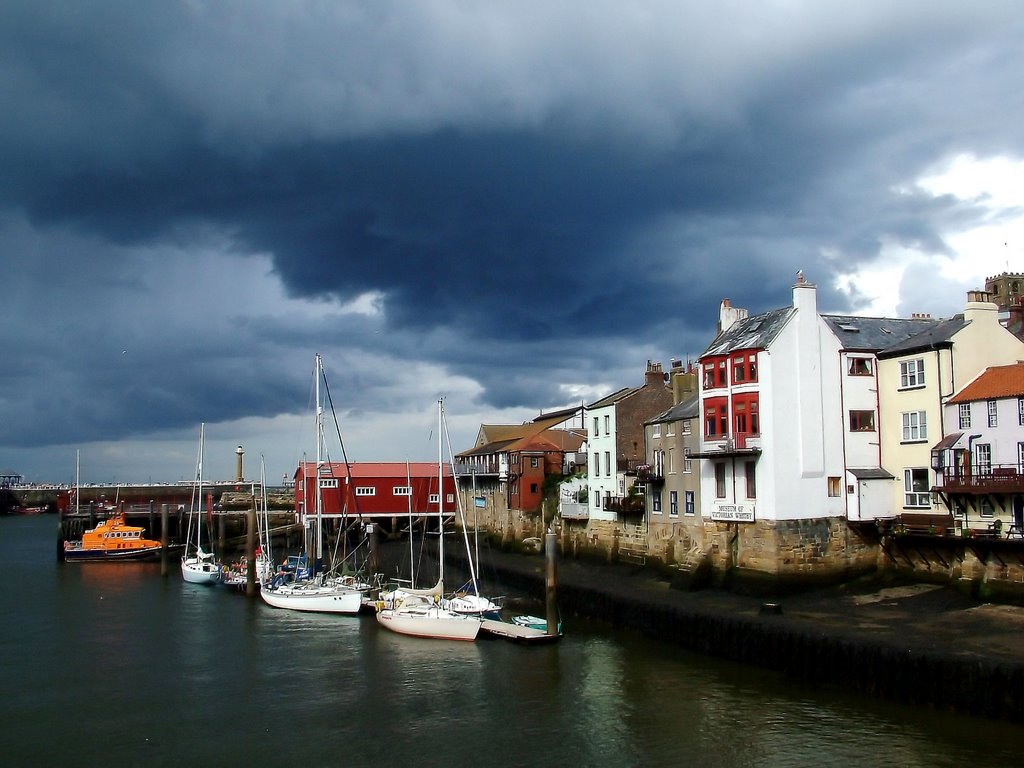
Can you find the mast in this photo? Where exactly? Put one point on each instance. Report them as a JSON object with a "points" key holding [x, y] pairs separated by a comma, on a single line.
{"points": [[199, 490], [440, 491], [412, 560], [319, 465]]}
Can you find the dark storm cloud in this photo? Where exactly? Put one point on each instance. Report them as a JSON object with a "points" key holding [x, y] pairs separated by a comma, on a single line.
{"points": [[536, 198]]}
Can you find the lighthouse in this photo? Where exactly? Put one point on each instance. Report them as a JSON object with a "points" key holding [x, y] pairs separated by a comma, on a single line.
{"points": [[238, 464]]}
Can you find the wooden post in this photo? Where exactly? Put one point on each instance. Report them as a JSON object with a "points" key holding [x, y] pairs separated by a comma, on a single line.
{"points": [[250, 548], [372, 543], [163, 540], [550, 553]]}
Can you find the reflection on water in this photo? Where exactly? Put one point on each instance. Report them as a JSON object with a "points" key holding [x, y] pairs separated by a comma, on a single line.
{"points": [[182, 672]]}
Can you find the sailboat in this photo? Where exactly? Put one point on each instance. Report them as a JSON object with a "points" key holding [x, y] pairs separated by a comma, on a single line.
{"points": [[420, 613], [318, 593], [237, 577], [197, 566]]}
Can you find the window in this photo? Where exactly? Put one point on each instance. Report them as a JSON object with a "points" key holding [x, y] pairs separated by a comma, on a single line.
{"points": [[993, 419], [402, 490], [534, 488], [719, 479], [1020, 410], [915, 427], [983, 457], [964, 411], [328, 482], [688, 495], [597, 464], [659, 464], [433, 498], [656, 502], [686, 423], [739, 369], [752, 366], [656, 430], [607, 464], [740, 419], [716, 418], [687, 461], [365, 490], [673, 503], [750, 471], [596, 430], [834, 486], [859, 366], [1020, 457], [671, 461], [912, 373], [862, 421], [915, 487], [607, 425], [534, 462], [987, 510], [723, 371], [709, 375]]}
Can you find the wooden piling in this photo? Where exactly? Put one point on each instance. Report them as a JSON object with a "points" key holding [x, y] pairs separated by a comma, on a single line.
{"points": [[163, 540], [372, 555], [250, 548], [550, 554]]}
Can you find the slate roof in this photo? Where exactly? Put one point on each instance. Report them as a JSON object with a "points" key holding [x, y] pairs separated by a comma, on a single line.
{"points": [[755, 332], [689, 408], [871, 334], [614, 397], [939, 335], [994, 383]]}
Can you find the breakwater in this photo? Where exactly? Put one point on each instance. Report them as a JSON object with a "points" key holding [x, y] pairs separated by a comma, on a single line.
{"points": [[919, 649]]}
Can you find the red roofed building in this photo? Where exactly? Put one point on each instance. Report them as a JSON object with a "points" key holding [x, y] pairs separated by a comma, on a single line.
{"points": [[373, 490], [979, 462]]}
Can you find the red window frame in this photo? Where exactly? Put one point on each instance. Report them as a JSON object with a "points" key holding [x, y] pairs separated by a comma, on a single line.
{"points": [[716, 418]]}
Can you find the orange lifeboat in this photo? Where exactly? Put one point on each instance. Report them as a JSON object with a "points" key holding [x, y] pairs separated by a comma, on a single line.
{"points": [[112, 540]]}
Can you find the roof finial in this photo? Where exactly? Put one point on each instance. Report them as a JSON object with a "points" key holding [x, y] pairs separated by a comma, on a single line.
{"points": [[799, 275]]}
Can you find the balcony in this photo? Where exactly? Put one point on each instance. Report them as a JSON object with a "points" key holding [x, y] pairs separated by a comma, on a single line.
{"points": [[627, 506], [571, 510], [628, 466], [648, 473], [486, 467], [999, 478], [738, 445]]}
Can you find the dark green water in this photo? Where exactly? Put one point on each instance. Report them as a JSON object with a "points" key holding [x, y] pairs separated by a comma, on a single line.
{"points": [[112, 665]]}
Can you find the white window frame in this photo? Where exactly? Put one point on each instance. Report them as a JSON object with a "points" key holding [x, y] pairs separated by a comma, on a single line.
{"points": [[328, 482], [983, 458], [687, 461], [916, 499], [656, 502], [964, 413], [656, 430], [402, 490], [673, 503], [607, 464], [689, 506], [912, 373], [366, 490], [915, 426], [993, 413]]}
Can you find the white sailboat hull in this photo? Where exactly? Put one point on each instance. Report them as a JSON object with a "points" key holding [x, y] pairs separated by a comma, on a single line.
{"points": [[315, 598], [429, 621], [200, 570]]}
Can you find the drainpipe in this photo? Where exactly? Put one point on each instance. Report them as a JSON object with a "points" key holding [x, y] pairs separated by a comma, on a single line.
{"points": [[845, 423]]}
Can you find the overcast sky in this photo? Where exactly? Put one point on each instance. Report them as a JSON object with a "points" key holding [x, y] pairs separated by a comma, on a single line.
{"points": [[510, 205]]}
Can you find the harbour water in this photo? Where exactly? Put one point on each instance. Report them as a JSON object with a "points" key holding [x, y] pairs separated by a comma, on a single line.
{"points": [[111, 664]]}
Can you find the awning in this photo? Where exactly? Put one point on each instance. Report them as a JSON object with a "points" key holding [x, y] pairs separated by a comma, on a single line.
{"points": [[871, 473], [948, 441]]}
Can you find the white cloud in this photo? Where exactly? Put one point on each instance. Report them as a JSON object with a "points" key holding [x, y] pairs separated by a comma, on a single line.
{"points": [[986, 238]]}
